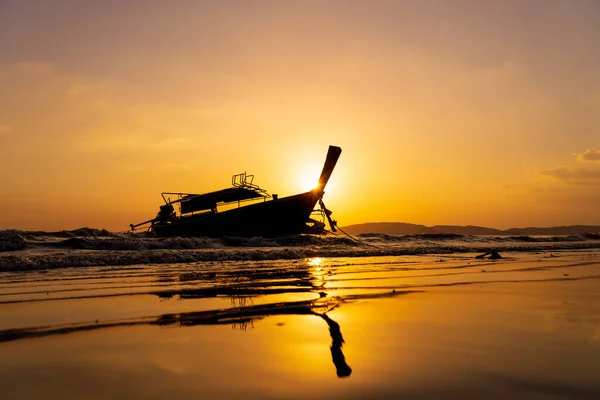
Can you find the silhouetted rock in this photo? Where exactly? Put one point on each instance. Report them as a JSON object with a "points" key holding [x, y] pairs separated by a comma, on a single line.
{"points": [[493, 255]]}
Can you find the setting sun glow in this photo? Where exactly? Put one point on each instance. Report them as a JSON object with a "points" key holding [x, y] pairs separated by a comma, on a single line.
{"points": [[442, 119], [308, 181]]}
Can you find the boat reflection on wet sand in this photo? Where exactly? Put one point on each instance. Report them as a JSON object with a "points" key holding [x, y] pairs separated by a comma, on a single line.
{"points": [[242, 288], [244, 316], [235, 316], [423, 327]]}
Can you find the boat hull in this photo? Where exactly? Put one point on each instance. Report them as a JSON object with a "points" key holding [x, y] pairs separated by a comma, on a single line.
{"points": [[284, 216]]}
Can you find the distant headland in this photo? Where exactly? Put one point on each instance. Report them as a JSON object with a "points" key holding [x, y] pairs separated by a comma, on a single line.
{"points": [[402, 228]]}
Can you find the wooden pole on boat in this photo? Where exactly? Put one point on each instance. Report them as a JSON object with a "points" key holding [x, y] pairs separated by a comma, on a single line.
{"points": [[333, 154]]}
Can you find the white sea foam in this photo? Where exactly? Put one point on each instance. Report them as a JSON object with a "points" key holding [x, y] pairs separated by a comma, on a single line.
{"points": [[21, 250]]}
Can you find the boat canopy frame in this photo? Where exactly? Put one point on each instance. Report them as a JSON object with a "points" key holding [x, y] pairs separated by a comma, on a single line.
{"points": [[243, 190]]}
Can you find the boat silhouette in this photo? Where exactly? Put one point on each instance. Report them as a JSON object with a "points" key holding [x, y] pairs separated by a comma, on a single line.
{"points": [[257, 213]]}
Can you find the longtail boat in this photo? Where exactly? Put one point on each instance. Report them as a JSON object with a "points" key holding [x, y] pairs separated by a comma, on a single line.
{"points": [[251, 211]]}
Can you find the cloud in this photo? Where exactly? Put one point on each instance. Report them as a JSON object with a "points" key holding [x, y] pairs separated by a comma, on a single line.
{"points": [[575, 175], [589, 155], [4, 129]]}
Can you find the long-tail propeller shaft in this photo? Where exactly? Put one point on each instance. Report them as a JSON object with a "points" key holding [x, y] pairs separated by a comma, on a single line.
{"points": [[333, 154], [328, 213]]}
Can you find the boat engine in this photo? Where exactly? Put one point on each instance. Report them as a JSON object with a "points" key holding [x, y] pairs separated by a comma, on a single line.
{"points": [[166, 214]]}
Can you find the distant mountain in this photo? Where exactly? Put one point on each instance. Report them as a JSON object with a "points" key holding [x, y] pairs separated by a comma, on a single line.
{"points": [[466, 230], [388, 228], [402, 228]]}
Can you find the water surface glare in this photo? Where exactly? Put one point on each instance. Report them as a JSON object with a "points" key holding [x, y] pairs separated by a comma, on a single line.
{"points": [[421, 327]]}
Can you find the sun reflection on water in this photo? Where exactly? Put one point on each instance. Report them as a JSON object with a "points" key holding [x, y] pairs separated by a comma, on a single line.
{"points": [[318, 271], [316, 262]]}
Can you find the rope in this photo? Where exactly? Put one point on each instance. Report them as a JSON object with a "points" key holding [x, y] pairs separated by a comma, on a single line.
{"points": [[356, 240]]}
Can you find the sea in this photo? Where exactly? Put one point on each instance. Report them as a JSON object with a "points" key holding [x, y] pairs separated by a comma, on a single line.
{"points": [[89, 313]]}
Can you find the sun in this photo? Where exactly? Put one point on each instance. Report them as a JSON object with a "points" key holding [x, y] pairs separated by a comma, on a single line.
{"points": [[308, 182], [308, 179]]}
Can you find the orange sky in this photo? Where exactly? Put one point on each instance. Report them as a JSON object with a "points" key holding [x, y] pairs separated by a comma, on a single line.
{"points": [[448, 112]]}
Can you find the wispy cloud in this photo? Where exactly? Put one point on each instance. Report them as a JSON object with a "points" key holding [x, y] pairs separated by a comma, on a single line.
{"points": [[574, 175], [4, 129], [589, 155]]}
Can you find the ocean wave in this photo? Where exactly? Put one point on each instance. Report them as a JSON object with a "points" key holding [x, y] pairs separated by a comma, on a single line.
{"points": [[129, 242], [591, 236], [21, 250], [11, 240], [541, 239], [387, 238], [94, 239], [81, 232], [287, 241], [382, 237], [100, 239], [85, 258], [136, 243]]}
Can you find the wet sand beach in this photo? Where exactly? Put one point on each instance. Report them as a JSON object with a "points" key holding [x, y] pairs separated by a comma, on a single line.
{"points": [[526, 326], [300, 200]]}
